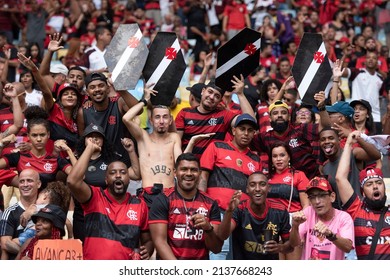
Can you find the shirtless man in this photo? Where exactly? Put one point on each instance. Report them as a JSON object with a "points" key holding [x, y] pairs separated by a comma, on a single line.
{"points": [[157, 151]]}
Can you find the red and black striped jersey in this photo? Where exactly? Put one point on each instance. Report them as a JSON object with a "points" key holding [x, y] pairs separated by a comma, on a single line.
{"points": [[192, 122], [280, 188], [299, 139], [248, 235], [47, 165], [366, 221], [186, 242], [112, 229], [228, 170], [62, 127], [7, 120]]}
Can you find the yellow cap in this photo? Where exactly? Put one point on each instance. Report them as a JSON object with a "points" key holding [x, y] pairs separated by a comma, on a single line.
{"points": [[277, 103]]}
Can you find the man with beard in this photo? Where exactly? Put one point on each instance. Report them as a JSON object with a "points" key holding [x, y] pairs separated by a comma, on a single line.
{"points": [[184, 222], [330, 146], [116, 222], [208, 117], [370, 214], [299, 137], [256, 224], [157, 151], [106, 112], [320, 226]]}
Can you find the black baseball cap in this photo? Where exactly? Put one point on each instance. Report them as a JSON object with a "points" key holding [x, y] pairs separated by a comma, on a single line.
{"points": [[95, 77], [196, 90]]}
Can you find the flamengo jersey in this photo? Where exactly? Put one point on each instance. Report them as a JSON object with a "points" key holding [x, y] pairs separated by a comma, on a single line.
{"points": [[62, 128], [248, 234], [47, 165], [280, 188], [7, 120], [112, 230], [192, 122], [171, 210], [366, 222], [229, 170], [299, 139]]}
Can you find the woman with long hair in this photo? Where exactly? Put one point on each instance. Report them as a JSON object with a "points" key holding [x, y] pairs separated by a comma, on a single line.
{"points": [[38, 158], [287, 185], [63, 111]]}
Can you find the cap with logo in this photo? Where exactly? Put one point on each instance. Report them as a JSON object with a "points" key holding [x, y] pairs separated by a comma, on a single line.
{"points": [[369, 173], [93, 128], [246, 118], [319, 183], [54, 214]]}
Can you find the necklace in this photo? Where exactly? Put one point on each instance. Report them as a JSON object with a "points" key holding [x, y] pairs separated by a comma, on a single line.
{"points": [[185, 206]]}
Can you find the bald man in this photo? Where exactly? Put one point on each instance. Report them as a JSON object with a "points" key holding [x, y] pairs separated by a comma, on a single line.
{"points": [[10, 227]]}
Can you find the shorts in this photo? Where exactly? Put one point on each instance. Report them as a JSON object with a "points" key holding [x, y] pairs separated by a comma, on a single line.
{"points": [[149, 193]]}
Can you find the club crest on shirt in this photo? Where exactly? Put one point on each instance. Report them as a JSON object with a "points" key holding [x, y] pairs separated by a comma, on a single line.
{"points": [[132, 215], [48, 167]]}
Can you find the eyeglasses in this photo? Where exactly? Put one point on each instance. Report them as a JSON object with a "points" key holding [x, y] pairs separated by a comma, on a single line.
{"points": [[320, 196], [307, 113]]}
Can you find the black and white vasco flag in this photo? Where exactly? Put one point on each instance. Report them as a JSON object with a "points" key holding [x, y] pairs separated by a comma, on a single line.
{"points": [[164, 67], [311, 69], [126, 56], [240, 55]]}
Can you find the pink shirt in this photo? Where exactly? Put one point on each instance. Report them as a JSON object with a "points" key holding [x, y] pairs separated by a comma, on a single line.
{"points": [[321, 248]]}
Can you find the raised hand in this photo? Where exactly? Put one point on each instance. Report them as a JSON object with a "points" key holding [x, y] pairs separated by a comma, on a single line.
{"points": [[9, 90], [55, 42], [234, 201], [128, 144], [337, 69], [27, 62], [148, 91], [320, 98], [238, 84]]}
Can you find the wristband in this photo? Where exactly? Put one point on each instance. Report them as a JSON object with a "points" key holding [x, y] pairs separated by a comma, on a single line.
{"points": [[143, 100], [321, 109], [336, 81], [331, 237]]}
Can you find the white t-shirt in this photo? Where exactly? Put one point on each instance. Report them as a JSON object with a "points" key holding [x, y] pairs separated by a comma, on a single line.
{"points": [[366, 86], [96, 59], [34, 98], [321, 248]]}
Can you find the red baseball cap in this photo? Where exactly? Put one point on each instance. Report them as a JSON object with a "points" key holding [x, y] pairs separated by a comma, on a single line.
{"points": [[319, 183]]}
